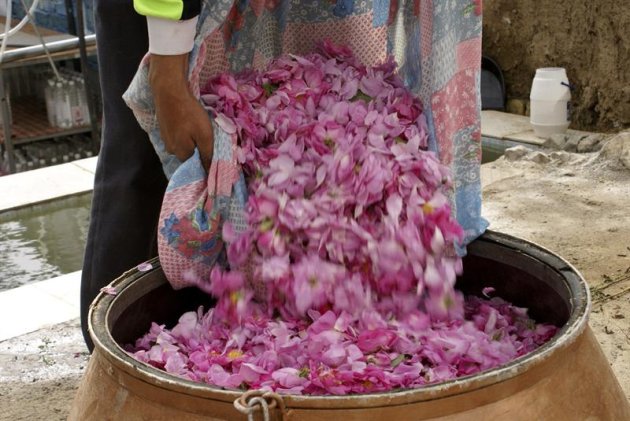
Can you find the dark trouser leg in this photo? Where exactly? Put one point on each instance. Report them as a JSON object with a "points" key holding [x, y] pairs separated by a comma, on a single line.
{"points": [[129, 182]]}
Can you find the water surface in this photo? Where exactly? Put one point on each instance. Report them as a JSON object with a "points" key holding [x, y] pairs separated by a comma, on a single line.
{"points": [[43, 241]]}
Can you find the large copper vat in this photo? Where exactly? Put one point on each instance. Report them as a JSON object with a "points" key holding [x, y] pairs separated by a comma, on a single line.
{"points": [[567, 379]]}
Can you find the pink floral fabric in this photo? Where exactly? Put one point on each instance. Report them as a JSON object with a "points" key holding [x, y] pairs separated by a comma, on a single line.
{"points": [[436, 43]]}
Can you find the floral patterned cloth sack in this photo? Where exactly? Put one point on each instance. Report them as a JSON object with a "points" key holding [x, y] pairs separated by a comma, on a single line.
{"points": [[436, 43]]}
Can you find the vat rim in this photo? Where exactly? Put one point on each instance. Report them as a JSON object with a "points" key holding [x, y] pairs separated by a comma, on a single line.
{"points": [[100, 331]]}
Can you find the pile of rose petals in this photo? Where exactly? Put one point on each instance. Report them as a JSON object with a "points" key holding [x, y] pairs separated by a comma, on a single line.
{"points": [[339, 354], [344, 280]]}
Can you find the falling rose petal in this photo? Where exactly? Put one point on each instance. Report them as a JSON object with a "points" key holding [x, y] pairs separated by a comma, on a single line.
{"points": [[432, 277], [437, 241], [487, 291], [394, 206], [321, 175]]}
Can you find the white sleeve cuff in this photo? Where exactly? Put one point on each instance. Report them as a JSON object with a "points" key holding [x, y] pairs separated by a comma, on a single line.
{"points": [[171, 37]]}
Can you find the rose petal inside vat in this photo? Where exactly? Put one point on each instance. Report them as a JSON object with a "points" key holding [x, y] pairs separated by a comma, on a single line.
{"points": [[527, 281]]}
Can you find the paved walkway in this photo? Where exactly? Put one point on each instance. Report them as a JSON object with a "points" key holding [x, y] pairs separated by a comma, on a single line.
{"points": [[46, 303]]}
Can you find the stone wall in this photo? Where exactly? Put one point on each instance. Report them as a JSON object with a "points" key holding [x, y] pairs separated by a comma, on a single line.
{"points": [[591, 39]]}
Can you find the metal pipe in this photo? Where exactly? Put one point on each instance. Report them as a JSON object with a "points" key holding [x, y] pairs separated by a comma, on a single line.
{"points": [[53, 47], [72, 26], [41, 40], [6, 123], [89, 90]]}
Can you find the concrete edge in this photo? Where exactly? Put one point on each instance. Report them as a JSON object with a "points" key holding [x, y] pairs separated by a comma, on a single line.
{"points": [[47, 184]]}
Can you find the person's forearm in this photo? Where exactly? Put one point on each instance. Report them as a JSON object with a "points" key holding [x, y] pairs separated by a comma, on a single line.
{"points": [[184, 124], [168, 72]]}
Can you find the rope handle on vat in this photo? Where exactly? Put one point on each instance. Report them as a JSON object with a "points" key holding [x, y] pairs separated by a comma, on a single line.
{"points": [[257, 400]]}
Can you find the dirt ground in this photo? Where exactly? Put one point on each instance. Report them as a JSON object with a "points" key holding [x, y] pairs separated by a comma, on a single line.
{"points": [[588, 38], [40, 372], [577, 205]]}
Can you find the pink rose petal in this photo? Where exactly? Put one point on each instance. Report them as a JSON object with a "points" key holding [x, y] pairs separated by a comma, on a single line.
{"points": [[145, 267], [109, 290], [339, 274]]}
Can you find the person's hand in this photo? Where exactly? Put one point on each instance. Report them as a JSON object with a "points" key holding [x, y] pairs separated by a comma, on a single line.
{"points": [[184, 124]]}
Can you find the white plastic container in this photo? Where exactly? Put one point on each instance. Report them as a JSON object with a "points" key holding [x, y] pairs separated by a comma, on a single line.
{"points": [[550, 102]]}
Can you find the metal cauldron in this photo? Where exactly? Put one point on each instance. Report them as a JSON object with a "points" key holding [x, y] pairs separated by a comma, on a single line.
{"points": [[566, 379]]}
